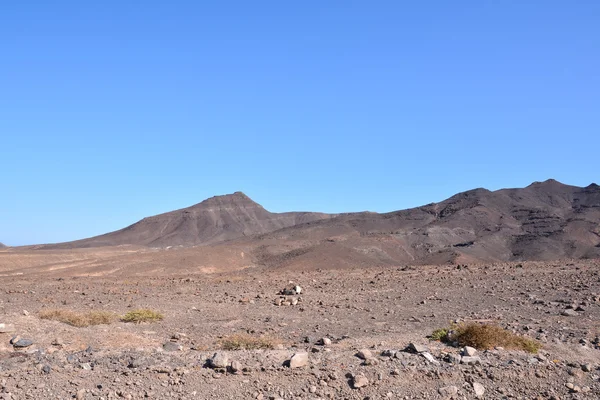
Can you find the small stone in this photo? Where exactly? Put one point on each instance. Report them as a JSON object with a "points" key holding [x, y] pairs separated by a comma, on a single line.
{"points": [[236, 366], [453, 358], [417, 348], [587, 367], [479, 389], [299, 360], [429, 358], [80, 394], [364, 354], [172, 346], [325, 342], [470, 360], [313, 389], [469, 351], [570, 313], [370, 361], [219, 360], [359, 381], [448, 391], [21, 343]]}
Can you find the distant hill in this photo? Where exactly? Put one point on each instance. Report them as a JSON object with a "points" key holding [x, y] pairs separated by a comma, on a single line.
{"points": [[2, 245], [218, 219], [543, 221]]}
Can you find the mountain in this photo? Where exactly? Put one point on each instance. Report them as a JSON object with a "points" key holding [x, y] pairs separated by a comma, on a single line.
{"points": [[2, 246], [218, 219], [544, 221]]}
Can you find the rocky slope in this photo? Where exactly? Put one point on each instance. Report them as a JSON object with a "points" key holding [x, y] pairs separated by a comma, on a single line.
{"points": [[218, 219], [544, 221]]}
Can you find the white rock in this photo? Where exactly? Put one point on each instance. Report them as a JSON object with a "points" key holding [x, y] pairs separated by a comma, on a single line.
{"points": [[430, 358], [299, 360], [470, 360], [479, 389], [359, 381], [219, 360], [469, 351]]}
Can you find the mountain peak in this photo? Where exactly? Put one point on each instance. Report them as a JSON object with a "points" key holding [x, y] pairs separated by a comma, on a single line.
{"points": [[547, 183], [238, 199]]}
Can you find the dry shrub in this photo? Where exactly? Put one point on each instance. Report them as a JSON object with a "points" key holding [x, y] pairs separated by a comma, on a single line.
{"points": [[485, 336], [142, 315], [244, 341], [79, 319]]}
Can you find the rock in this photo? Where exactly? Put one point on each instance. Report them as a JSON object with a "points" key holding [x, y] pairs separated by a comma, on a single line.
{"points": [[298, 289], [429, 358], [80, 394], [7, 328], [236, 366], [453, 358], [389, 353], [299, 360], [587, 368], [417, 348], [570, 313], [448, 391], [479, 389], [469, 351], [470, 360], [172, 346], [219, 360], [359, 381], [324, 342], [364, 354], [370, 361], [21, 343]]}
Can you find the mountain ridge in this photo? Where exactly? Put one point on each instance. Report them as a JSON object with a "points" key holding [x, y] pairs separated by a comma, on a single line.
{"points": [[543, 220]]}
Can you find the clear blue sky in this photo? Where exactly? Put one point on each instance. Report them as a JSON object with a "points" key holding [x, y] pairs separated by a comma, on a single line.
{"points": [[111, 111]]}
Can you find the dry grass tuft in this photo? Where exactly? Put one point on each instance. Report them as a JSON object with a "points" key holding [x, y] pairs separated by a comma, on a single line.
{"points": [[243, 341], [142, 315], [77, 319], [485, 336]]}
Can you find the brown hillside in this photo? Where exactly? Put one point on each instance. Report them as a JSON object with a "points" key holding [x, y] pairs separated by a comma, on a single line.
{"points": [[546, 220], [218, 219]]}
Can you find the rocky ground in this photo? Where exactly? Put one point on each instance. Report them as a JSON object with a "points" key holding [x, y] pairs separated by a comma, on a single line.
{"points": [[346, 335]]}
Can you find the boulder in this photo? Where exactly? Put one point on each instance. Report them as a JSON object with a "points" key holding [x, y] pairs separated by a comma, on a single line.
{"points": [[299, 360], [359, 381], [219, 360]]}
